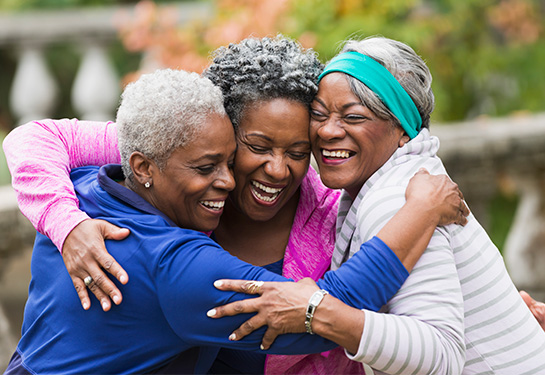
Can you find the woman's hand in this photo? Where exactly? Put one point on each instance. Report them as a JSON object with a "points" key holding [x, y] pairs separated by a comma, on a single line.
{"points": [[282, 307], [537, 308], [85, 254], [441, 195]]}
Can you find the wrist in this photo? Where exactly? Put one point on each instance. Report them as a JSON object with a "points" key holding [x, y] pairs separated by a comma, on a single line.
{"points": [[313, 303], [340, 323]]}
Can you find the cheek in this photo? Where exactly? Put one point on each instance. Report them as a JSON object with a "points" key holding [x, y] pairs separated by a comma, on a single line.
{"points": [[313, 131], [299, 171], [246, 162]]}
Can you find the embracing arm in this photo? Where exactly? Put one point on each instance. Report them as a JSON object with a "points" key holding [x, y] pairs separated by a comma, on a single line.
{"points": [[367, 280], [40, 156]]}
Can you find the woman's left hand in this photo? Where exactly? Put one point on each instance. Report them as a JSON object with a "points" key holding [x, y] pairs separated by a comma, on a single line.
{"points": [[281, 306], [441, 195]]}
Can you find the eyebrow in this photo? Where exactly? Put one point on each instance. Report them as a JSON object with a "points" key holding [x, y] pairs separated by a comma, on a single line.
{"points": [[269, 139], [343, 107]]}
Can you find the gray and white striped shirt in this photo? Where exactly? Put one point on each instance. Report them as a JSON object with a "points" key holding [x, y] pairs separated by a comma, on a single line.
{"points": [[458, 312]]}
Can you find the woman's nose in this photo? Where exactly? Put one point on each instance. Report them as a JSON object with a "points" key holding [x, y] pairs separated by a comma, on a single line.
{"points": [[330, 129], [277, 168], [226, 181]]}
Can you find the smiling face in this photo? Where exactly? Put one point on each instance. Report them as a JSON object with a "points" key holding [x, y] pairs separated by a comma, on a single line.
{"points": [[192, 188], [349, 142], [272, 158]]}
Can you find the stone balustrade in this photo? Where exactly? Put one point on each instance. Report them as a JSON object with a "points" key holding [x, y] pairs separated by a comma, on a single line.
{"points": [[96, 88]]}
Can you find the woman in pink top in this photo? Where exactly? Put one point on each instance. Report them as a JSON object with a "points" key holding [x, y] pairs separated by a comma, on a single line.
{"points": [[279, 216]]}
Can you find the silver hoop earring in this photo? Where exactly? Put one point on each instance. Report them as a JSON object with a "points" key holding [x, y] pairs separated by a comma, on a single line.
{"points": [[147, 185]]}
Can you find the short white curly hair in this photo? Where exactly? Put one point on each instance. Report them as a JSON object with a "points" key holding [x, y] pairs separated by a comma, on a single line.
{"points": [[162, 111]]}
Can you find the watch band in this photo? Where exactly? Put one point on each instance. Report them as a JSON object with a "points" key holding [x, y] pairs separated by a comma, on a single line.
{"points": [[313, 303]]}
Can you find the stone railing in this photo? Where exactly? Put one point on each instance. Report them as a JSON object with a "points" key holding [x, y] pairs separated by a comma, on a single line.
{"points": [[95, 90], [480, 154]]}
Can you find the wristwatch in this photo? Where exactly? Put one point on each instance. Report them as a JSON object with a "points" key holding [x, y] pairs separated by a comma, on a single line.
{"points": [[313, 303]]}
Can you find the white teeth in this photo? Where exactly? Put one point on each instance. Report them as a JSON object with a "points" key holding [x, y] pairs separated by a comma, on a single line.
{"points": [[266, 199], [274, 191], [266, 189], [217, 205], [336, 154]]}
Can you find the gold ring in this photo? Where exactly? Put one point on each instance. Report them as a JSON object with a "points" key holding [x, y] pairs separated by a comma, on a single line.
{"points": [[254, 287]]}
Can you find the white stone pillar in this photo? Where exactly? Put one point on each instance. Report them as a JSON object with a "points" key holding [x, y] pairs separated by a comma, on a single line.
{"points": [[34, 91], [95, 93], [524, 252]]}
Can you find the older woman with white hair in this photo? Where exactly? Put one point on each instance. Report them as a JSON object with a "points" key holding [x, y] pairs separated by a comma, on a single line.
{"points": [[177, 150]]}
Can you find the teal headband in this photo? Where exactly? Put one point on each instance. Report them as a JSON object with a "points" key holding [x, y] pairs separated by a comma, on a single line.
{"points": [[379, 80]]}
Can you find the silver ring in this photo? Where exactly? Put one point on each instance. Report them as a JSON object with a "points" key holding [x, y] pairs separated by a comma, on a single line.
{"points": [[88, 280]]}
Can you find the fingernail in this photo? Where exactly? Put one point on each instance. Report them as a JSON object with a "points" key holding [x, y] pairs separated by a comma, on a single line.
{"points": [[123, 279], [232, 337], [261, 347], [85, 305], [116, 299], [104, 306], [218, 283], [211, 312]]}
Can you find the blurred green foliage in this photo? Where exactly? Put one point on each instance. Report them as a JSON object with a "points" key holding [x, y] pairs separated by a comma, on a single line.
{"points": [[486, 56]]}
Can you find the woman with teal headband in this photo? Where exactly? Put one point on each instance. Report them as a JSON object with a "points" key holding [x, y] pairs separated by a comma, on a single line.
{"points": [[458, 312]]}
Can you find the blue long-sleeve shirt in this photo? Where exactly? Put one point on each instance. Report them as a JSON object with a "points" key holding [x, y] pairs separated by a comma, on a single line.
{"points": [[171, 288]]}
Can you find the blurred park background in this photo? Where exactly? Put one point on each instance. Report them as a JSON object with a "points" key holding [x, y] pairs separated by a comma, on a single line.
{"points": [[71, 58]]}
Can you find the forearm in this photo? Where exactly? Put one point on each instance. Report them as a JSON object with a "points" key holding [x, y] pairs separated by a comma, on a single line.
{"points": [[368, 279], [339, 323], [40, 156], [408, 232]]}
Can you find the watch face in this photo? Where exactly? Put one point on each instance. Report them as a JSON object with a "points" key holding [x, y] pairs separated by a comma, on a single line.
{"points": [[316, 298]]}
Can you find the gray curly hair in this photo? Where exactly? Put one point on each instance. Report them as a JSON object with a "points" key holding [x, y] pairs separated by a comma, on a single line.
{"points": [[162, 111], [405, 65], [263, 69]]}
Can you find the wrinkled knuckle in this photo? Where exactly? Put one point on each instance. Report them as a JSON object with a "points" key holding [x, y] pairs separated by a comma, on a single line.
{"points": [[248, 326], [107, 264], [238, 307], [99, 280]]}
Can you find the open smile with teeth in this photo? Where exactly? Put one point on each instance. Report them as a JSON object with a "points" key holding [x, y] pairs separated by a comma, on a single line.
{"points": [[213, 205], [339, 154], [265, 193]]}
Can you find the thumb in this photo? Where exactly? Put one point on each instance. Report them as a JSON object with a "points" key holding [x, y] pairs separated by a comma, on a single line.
{"points": [[423, 171], [526, 297], [113, 232]]}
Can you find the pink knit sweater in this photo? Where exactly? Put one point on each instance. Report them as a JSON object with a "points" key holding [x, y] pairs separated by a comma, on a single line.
{"points": [[41, 154]]}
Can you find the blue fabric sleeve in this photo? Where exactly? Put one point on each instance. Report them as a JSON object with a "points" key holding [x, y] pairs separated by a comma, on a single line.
{"points": [[369, 279], [185, 287]]}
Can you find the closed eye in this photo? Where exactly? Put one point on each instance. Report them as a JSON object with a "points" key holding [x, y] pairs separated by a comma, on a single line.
{"points": [[257, 149], [206, 169]]}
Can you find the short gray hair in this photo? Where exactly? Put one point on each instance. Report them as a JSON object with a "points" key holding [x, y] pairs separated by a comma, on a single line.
{"points": [[405, 65], [264, 69], [162, 111]]}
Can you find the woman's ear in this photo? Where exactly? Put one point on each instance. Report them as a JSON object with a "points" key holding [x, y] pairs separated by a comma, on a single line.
{"points": [[142, 167], [403, 140]]}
